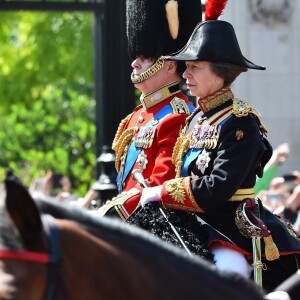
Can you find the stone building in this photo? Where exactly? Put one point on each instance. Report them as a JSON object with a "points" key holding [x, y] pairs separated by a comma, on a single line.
{"points": [[269, 34]]}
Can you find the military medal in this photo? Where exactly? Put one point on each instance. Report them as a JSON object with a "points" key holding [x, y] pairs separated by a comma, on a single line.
{"points": [[205, 136], [202, 161], [145, 137], [142, 161]]}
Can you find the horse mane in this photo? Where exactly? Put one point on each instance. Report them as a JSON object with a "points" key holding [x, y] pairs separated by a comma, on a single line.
{"points": [[91, 221]]}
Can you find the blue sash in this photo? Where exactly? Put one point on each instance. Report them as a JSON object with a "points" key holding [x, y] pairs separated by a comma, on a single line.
{"points": [[192, 154], [134, 151]]}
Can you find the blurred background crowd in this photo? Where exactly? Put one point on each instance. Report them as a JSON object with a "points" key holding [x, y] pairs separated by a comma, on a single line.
{"points": [[280, 194]]}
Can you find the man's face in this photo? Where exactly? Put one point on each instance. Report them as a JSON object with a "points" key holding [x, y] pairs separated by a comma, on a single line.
{"points": [[140, 65]]}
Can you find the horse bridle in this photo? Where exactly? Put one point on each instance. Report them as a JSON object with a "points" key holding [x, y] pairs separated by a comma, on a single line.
{"points": [[52, 258]]}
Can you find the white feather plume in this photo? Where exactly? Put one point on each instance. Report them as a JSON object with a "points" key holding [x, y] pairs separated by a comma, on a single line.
{"points": [[172, 17]]}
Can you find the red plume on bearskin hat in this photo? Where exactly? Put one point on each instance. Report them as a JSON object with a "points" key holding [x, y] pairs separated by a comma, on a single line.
{"points": [[159, 27]]}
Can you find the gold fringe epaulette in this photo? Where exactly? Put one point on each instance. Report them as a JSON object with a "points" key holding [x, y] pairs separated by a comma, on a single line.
{"points": [[122, 141], [241, 108], [179, 106]]}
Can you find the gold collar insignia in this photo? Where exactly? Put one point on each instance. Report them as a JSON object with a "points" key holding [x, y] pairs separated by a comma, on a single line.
{"points": [[160, 95], [210, 102]]}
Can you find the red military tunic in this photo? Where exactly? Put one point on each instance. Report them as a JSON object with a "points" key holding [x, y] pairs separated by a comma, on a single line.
{"points": [[153, 127]]}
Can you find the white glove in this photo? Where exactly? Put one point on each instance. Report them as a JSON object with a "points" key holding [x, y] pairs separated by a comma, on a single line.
{"points": [[151, 194], [279, 295]]}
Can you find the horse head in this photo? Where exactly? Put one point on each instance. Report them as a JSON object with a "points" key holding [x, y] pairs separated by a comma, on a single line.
{"points": [[22, 244]]}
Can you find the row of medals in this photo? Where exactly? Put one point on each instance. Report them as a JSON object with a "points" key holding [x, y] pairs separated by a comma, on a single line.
{"points": [[146, 134], [205, 136]]}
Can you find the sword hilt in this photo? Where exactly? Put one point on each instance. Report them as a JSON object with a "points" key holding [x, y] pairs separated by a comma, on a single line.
{"points": [[138, 176]]}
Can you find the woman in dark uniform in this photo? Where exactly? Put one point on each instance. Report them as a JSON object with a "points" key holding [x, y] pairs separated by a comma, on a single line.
{"points": [[217, 158]]}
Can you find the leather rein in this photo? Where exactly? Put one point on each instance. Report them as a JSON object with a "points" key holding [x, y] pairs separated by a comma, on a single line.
{"points": [[52, 258]]}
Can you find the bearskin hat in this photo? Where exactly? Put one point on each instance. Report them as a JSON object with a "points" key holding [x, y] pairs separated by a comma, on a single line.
{"points": [[160, 27]]}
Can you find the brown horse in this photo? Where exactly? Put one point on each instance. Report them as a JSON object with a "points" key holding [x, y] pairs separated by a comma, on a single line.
{"points": [[80, 256]]}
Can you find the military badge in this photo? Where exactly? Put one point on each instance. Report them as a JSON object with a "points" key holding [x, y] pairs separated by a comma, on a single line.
{"points": [[142, 161], [179, 106], [175, 188], [239, 134], [202, 161]]}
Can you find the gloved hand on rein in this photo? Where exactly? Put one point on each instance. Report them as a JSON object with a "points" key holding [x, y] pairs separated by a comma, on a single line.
{"points": [[151, 194]]}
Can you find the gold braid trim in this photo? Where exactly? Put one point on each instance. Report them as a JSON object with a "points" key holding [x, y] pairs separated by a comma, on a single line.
{"points": [[176, 149], [176, 190], [182, 145], [115, 144], [122, 147], [190, 117]]}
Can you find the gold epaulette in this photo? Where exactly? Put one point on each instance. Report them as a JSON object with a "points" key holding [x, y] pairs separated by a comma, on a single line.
{"points": [[241, 109], [179, 106]]}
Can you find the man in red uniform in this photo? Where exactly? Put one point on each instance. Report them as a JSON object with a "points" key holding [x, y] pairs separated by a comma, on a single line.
{"points": [[145, 138]]}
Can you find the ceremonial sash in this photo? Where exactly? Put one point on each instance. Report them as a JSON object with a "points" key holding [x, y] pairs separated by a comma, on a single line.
{"points": [[134, 151]]}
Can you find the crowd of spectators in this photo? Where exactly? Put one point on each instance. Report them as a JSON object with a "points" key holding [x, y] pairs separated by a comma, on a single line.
{"points": [[54, 184], [280, 194]]}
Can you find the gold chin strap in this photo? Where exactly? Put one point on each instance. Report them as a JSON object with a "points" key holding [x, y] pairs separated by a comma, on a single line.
{"points": [[147, 74]]}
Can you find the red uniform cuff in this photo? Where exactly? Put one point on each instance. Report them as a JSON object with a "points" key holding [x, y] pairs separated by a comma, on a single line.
{"points": [[177, 194]]}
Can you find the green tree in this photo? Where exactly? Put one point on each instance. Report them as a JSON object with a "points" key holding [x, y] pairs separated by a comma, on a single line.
{"points": [[46, 87]]}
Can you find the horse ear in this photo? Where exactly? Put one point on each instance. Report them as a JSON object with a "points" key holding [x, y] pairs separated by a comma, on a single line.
{"points": [[23, 211]]}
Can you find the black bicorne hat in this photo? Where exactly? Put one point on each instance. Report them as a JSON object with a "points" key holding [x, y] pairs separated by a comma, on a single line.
{"points": [[148, 29], [213, 41]]}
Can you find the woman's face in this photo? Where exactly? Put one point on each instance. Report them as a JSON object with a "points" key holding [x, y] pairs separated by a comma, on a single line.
{"points": [[200, 80]]}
